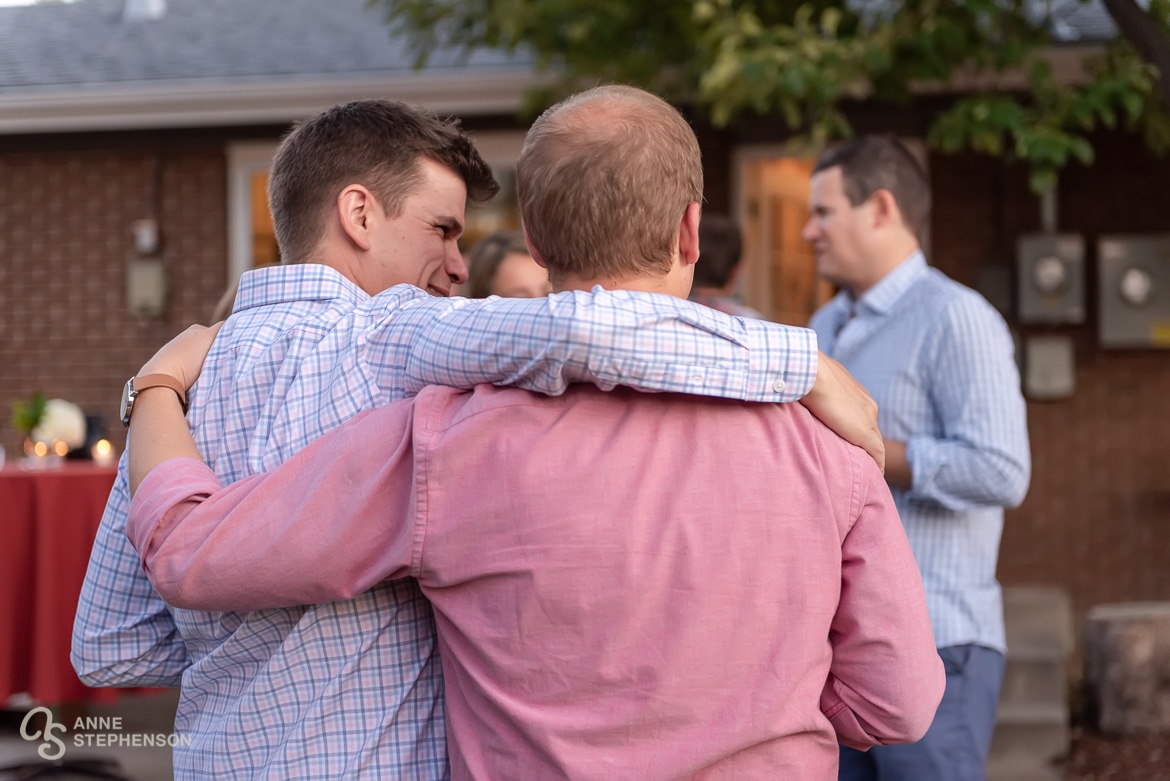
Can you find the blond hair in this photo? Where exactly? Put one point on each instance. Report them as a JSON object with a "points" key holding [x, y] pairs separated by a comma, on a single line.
{"points": [[604, 180]]}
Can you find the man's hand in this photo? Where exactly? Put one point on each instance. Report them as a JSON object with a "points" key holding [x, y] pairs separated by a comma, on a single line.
{"points": [[842, 404], [182, 357]]}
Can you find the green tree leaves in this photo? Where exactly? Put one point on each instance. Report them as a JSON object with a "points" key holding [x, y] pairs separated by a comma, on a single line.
{"points": [[802, 61]]}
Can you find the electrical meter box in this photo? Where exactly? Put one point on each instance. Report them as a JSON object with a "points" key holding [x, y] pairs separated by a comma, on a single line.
{"points": [[1051, 278], [1133, 291]]}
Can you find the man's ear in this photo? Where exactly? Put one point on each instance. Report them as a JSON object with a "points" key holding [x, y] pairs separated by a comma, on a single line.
{"points": [[356, 210], [688, 235], [531, 249], [885, 209]]}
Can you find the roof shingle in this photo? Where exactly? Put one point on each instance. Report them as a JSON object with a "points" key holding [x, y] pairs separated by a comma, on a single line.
{"points": [[89, 43]]}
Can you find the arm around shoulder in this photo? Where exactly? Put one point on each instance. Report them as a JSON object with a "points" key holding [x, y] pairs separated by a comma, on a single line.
{"points": [[651, 342], [841, 403], [331, 522]]}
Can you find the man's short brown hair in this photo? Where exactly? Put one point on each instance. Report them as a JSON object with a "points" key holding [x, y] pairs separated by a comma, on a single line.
{"points": [[872, 163], [379, 144], [604, 180]]}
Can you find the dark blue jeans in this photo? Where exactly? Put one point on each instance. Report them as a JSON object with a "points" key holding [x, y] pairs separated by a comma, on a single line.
{"points": [[955, 747]]}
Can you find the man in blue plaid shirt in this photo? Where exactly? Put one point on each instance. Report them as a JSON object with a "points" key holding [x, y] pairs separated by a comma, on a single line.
{"points": [[368, 201], [939, 360]]}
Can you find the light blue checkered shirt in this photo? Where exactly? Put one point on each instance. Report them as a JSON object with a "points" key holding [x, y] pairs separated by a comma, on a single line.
{"points": [[353, 689], [938, 359]]}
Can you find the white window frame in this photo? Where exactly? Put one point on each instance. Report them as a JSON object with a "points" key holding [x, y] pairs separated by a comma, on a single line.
{"points": [[244, 159]]}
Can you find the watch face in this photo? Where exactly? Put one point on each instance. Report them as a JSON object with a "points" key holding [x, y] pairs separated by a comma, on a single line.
{"points": [[127, 402]]}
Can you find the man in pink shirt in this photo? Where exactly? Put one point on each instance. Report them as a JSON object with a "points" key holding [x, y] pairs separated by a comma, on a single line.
{"points": [[625, 585]]}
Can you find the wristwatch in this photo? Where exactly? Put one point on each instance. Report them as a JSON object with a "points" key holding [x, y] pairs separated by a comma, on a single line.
{"points": [[135, 385]]}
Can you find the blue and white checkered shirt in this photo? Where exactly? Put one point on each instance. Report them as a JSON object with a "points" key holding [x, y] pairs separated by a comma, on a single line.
{"points": [[938, 359], [353, 689]]}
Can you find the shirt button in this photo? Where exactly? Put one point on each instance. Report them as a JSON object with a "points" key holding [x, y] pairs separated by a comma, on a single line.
{"points": [[779, 386]]}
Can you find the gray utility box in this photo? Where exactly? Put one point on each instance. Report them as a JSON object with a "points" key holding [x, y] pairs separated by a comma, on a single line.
{"points": [[1134, 290], [1051, 278]]}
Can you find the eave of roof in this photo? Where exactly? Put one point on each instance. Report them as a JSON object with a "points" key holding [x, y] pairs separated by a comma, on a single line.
{"points": [[261, 100]]}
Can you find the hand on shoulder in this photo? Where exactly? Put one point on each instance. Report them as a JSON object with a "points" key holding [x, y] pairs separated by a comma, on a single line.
{"points": [[841, 403]]}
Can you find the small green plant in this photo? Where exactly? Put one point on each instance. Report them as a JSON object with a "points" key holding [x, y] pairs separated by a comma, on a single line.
{"points": [[26, 415]]}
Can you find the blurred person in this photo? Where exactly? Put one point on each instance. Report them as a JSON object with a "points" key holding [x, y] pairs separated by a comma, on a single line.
{"points": [[499, 265], [717, 272], [368, 203], [590, 624], [939, 361]]}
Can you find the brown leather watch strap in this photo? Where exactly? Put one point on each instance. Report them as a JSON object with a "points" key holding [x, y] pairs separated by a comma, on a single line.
{"points": [[144, 381]]}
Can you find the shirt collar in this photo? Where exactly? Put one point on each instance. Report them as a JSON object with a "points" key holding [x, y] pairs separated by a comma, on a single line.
{"points": [[882, 297], [295, 282]]}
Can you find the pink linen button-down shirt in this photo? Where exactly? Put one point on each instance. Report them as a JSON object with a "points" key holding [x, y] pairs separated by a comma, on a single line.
{"points": [[625, 586]]}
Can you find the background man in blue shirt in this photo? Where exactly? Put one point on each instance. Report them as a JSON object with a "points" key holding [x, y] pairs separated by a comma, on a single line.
{"points": [[938, 359]]}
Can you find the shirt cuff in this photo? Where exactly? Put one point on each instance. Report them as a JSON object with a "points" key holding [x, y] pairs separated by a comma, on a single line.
{"points": [[925, 464], [783, 361]]}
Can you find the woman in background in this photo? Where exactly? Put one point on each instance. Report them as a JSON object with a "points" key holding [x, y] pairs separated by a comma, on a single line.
{"points": [[501, 266]]}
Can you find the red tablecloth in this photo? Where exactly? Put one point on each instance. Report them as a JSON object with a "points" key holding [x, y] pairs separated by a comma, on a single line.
{"points": [[48, 520]]}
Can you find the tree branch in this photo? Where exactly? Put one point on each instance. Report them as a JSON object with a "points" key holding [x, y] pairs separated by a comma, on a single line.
{"points": [[1147, 38]]}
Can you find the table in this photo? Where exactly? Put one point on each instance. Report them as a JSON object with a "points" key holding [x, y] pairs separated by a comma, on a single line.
{"points": [[48, 520]]}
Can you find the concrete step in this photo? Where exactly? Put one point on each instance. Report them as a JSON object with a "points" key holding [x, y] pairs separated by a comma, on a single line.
{"points": [[1031, 733], [1037, 616], [1032, 723], [1034, 675]]}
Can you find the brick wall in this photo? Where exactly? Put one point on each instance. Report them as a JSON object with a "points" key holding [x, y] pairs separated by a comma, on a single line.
{"points": [[1097, 518], [65, 241]]}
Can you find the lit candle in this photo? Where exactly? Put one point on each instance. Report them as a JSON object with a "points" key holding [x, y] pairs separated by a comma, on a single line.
{"points": [[103, 452], [60, 448], [40, 449]]}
